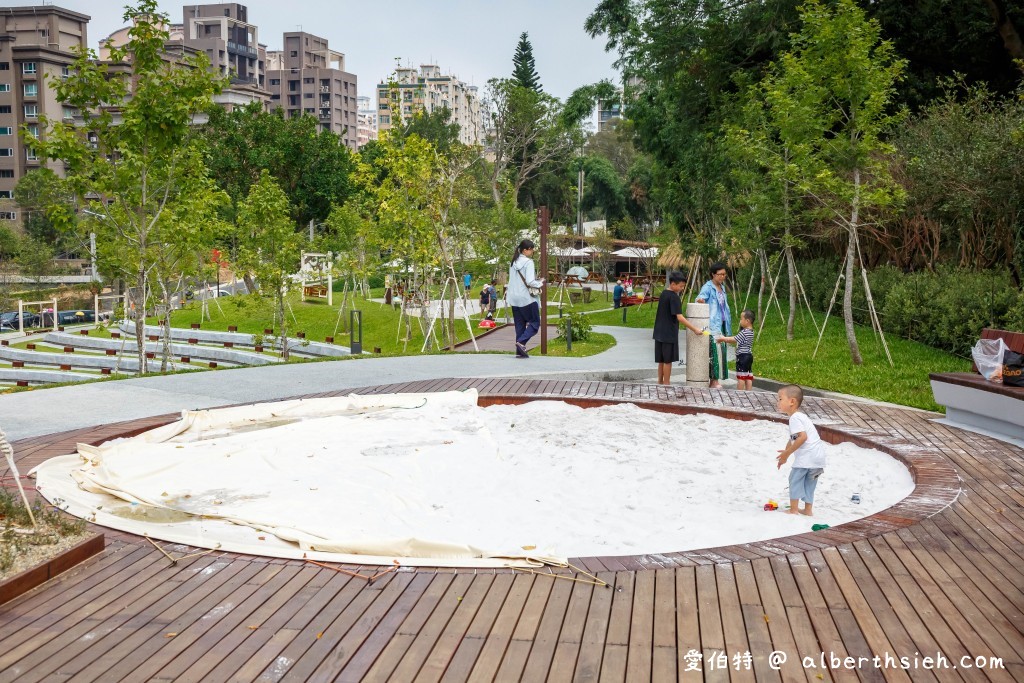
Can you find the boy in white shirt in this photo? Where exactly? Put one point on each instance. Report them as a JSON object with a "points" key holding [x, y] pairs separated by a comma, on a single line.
{"points": [[810, 451]]}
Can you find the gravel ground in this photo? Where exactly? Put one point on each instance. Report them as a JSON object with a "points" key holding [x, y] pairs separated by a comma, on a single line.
{"points": [[32, 555]]}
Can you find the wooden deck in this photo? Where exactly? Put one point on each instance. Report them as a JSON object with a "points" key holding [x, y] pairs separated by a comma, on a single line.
{"points": [[939, 575], [503, 338]]}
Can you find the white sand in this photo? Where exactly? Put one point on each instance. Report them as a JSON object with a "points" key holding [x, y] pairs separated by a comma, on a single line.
{"points": [[547, 475], [643, 482]]}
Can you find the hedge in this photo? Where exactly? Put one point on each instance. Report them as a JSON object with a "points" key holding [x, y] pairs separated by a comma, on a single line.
{"points": [[946, 308]]}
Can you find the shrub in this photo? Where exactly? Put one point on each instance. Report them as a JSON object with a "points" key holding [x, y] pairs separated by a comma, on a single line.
{"points": [[946, 309], [581, 327]]}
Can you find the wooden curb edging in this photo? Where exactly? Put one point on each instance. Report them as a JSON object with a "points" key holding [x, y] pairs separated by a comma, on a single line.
{"points": [[23, 582]]}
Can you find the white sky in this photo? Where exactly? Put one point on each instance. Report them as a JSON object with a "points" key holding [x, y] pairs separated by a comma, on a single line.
{"points": [[475, 39]]}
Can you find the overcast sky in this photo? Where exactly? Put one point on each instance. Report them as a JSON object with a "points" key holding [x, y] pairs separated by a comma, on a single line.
{"points": [[475, 39]]}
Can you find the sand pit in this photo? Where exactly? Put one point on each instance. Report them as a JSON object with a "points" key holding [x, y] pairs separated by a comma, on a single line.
{"points": [[435, 479]]}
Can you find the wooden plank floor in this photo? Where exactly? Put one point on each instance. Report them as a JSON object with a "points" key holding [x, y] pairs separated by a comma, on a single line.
{"points": [[939, 576], [503, 339]]}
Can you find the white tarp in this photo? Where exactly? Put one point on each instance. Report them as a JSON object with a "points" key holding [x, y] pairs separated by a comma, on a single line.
{"points": [[336, 475]]}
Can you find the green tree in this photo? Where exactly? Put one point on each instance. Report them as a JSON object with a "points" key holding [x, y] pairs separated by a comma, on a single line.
{"points": [[836, 90], [962, 162], [524, 72], [47, 202], [34, 259], [313, 167], [270, 248], [136, 150], [530, 130]]}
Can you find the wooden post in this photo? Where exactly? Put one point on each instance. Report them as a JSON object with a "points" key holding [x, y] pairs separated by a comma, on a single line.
{"points": [[543, 217]]}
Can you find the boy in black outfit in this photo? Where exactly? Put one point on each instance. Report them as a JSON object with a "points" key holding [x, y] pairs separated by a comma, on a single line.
{"points": [[666, 326]]}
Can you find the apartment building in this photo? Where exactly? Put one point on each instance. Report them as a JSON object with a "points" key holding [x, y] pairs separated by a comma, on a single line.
{"points": [[232, 44], [427, 89], [35, 45], [367, 120], [608, 111], [307, 77], [223, 33]]}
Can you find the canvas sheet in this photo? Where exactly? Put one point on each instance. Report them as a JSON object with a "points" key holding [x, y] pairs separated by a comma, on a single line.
{"points": [[329, 477]]}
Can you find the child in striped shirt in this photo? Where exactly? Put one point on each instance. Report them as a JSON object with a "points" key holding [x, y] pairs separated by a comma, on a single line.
{"points": [[744, 342]]}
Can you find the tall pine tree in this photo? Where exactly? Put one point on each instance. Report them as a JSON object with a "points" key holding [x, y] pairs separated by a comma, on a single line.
{"points": [[525, 72]]}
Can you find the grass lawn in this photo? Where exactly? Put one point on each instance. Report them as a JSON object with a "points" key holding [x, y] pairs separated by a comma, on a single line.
{"points": [[596, 344], [790, 361], [380, 323]]}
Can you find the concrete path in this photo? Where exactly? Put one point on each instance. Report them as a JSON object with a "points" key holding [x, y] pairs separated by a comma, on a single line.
{"points": [[45, 411]]}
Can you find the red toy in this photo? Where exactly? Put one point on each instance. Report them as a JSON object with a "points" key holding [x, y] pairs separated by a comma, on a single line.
{"points": [[771, 505]]}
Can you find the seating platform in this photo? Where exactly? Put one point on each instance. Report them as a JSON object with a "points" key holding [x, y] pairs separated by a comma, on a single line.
{"points": [[975, 403]]}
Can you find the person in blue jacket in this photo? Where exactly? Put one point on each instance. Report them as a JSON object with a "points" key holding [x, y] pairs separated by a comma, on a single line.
{"points": [[617, 293], [713, 293]]}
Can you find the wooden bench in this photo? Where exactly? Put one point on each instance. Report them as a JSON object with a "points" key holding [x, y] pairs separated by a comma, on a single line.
{"points": [[314, 292], [974, 403]]}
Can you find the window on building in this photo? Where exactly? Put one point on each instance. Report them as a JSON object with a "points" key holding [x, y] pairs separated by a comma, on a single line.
{"points": [[30, 154], [293, 86], [5, 87], [6, 194], [6, 172], [9, 215], [65, 72], [307, 96], [5, 66], [310, 110], [385, 119], [6, 130], [275, 81], [293, 53], [31, 111], [68, 112], [293, 100], [325, 83], [28, 67], [33, 130], [308, 80], [6, 152], [31, 89], [275, 96]]}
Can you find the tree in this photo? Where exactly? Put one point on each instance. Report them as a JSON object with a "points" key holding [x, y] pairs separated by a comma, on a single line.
{"points": [[135, 156], [836, 89], [530, 130], [313, 167], [419, 195], [270, 248], [47, 202], [524, 73]]}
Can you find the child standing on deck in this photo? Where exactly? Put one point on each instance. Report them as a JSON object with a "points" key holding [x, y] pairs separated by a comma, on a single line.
{"points": [[810, 451], [744, 342]]}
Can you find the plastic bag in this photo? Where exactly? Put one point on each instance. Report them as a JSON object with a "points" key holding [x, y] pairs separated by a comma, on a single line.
{"points": [[988, 356], [1013, 369]]}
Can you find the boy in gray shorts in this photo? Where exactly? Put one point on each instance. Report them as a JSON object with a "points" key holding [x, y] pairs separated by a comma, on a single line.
{"points": [[804, 441]]}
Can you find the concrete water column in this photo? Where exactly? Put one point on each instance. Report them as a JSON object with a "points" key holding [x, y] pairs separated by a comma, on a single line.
{"points": [[697, 356]]}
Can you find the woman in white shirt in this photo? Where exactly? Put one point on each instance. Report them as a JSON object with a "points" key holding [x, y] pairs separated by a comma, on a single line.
{"points": [[525, 306]]}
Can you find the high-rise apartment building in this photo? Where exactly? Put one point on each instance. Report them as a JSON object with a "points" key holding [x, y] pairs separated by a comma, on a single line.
{"points": [[307, 77], [223, 33], [429, 90], [367, 120], [232, 44], [608, 111], [35, 46]]}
